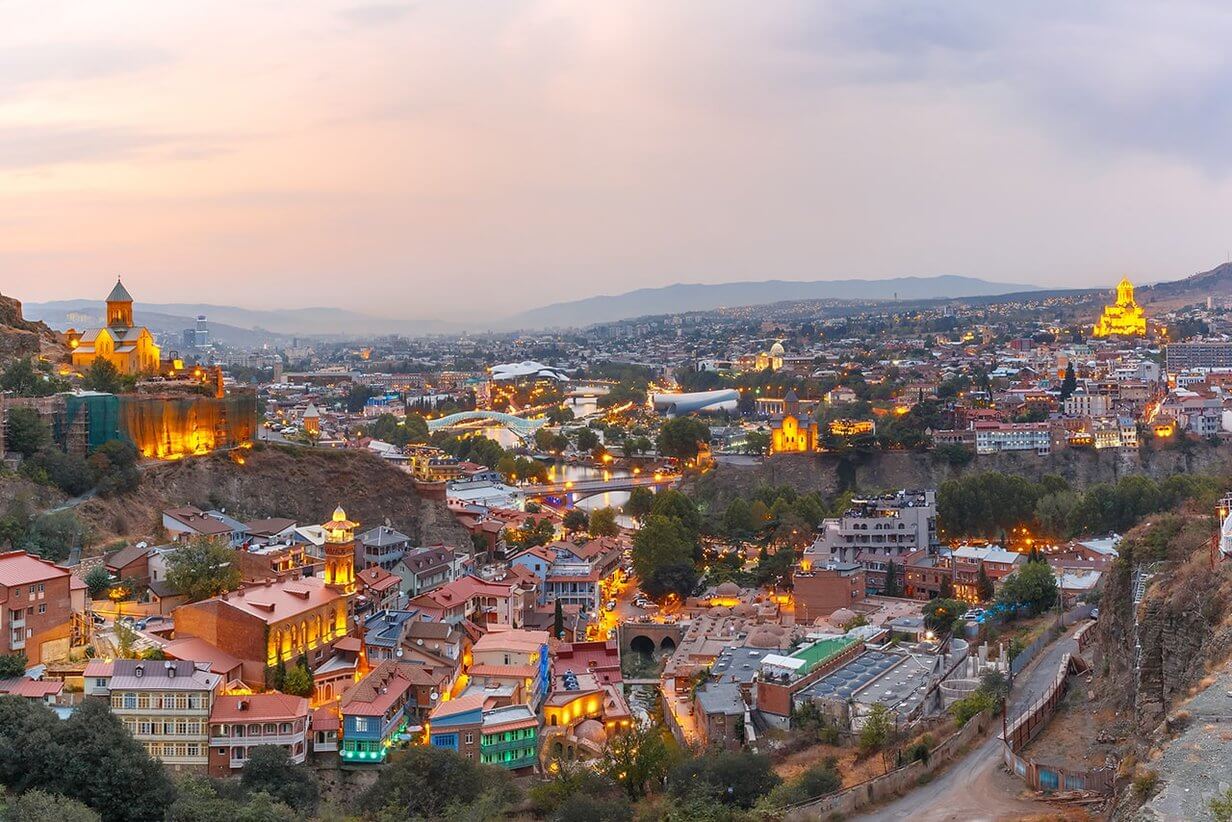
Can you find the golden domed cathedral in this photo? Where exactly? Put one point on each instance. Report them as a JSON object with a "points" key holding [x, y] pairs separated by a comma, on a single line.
{"points": [[130, 348], [1124, 318]]}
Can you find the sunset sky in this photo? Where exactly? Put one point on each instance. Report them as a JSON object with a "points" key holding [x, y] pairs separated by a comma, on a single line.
{"points": [[446, 157]]}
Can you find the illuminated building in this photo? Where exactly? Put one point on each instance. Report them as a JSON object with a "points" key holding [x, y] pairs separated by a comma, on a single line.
{"points": [[311, 421], [851, 428], [506, 736], [790, 434], [280, 621], [164, 704], [129, 348], [1124, 317], [382, 706], [239, 723]]}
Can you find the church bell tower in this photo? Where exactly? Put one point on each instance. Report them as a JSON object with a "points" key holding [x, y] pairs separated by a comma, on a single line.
{"points": [[340, 552]]}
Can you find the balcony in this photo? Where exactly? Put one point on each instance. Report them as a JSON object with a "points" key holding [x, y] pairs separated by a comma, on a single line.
{"points": [[251, 741], [512, 745]]}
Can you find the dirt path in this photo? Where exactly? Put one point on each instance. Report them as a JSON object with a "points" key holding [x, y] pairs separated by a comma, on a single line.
{"points": [[976, 787]]}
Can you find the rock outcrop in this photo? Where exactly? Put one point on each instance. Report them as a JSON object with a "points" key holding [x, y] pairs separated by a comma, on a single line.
{"points": [[20, 337]]}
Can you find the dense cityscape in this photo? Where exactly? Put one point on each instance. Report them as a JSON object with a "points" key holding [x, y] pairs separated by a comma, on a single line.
{"points": [[718, 565]]}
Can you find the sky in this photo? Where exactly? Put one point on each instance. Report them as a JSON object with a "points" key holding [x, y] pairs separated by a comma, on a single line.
{"points": [[442, 158]]}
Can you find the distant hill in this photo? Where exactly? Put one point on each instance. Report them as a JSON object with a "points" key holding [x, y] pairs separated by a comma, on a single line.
{"points": [[701, 297], [1192, 289], [236, 326]]}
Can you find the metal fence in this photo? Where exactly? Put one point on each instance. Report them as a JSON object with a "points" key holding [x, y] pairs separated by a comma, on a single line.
{"points": [[1024, 657]]}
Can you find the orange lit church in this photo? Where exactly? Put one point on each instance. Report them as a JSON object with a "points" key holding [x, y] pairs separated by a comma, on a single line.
{"points": [[794, 433], [1125, 317], [130, 348]]}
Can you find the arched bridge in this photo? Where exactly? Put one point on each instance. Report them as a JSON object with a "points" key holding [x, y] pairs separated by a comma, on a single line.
{"points": [[649, 638], [522, 427], [580, 489]]}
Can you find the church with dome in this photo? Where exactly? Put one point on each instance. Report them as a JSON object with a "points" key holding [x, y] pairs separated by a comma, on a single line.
{"points": [[1124, 318]]}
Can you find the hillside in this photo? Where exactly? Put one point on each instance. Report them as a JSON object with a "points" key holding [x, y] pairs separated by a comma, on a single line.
{"points": [[301, 483], [1192, 289]]}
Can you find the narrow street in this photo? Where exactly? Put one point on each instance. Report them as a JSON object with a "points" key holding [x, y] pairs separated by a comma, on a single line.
{"points": [[976, 788]]}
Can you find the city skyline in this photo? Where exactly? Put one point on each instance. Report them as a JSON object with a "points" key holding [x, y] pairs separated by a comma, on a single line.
{"points": [[381, 155]]}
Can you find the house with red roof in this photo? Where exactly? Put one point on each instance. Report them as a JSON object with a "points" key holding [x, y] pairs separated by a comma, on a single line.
{"points": [[36, 607], [240, 723]]}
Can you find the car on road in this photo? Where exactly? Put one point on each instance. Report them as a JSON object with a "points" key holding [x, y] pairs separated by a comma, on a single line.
{"points": [[611, 605]]}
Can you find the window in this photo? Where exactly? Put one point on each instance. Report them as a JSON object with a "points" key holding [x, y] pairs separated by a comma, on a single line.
{"points": [[361, 724], [130, 701], [42, 607], [100, 682], [470, 738]]}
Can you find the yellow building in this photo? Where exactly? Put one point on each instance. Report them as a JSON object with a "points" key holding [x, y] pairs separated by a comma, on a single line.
{"points": [[789, 435], [1125, 318], [129, 348]]}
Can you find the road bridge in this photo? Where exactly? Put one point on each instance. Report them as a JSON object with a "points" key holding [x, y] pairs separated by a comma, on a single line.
{"points": [[580, 489]]}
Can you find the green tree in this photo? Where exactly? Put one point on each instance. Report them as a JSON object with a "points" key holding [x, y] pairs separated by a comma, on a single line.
{"points": [[738, 519], [270, 770], [680, 507], [13, 665], [737, 778], [23, 380], [423, 782], [587, 439], [203, 567], [113, 467], [558, 621], [298, 682], [661, 543], [641, 500], [984, 589], [581, 807], [893, 588], [576, 520], [40, 806], [52, 535], [681, 437], [109, 770], [636, 759], [636, 445], [756, 442], [939, 614], [603, 523], [103, 376], [97, 581], [26, 433], [1070, 383], [68, 472], [1032, 585], [877, 732]]}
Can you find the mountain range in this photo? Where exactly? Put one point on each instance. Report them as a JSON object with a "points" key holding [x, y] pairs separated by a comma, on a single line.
{"points": [[673, 299], [244, 326]]}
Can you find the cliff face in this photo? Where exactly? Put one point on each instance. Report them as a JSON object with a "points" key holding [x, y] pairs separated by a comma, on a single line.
{"points": [[20, 337], [828, 473], [1151, 656], [301, 483]]}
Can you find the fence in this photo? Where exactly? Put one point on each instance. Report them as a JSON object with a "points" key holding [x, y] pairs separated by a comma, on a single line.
{"points": [[890, 784], [1047, 776], [1024, 657]]}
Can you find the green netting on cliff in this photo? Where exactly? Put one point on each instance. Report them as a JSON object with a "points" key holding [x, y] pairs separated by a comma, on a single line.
{"points": [[101, 414]]}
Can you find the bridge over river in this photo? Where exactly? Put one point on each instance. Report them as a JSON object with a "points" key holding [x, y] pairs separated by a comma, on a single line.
{"points": [[580, 489]]}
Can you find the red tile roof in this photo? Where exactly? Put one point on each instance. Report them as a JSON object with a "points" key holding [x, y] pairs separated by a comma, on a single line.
{"points": [[267, 707], [21, 568]]}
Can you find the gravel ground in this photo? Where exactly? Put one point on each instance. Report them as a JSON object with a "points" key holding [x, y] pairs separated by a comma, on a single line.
{"points": [[1198, 764]]}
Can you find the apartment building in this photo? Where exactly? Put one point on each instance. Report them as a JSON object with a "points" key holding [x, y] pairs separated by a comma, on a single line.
{"points": [[891, 525], [164, 704], [36, 610]]}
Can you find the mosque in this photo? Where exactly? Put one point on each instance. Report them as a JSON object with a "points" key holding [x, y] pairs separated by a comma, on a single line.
{"points": [[131, 349], [1124, 318]]}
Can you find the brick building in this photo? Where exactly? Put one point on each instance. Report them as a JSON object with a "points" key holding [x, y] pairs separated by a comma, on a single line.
{"points": [[820, 591], [36, 611]]}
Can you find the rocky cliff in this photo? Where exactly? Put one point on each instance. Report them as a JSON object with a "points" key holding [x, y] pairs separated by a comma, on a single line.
{"points": [[829, 473], [304, 484], [20, 337]]}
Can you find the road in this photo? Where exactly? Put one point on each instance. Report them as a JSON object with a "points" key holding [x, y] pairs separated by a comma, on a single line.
{"points": [[976, 787]]}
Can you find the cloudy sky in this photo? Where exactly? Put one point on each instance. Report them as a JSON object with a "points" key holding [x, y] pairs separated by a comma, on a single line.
{"points": [[446, 157]]}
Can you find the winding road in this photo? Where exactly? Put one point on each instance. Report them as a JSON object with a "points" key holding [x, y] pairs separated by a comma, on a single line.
{"points": [[976, 788]]}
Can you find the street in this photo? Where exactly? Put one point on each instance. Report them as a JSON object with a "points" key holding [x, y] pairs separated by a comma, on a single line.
{"points": [[976, 788]]}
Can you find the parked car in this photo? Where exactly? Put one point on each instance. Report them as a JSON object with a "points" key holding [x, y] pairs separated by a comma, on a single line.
{"points": [[611, 605]]}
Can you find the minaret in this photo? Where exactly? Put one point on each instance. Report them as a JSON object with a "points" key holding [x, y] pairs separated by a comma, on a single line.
{"points": [[340, 552], [119, 307]]}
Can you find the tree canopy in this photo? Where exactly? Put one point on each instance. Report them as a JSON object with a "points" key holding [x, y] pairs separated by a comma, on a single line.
{"points": [[203, 567]]}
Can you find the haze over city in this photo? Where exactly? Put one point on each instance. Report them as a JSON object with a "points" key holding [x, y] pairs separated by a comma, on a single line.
{"points": [[376, 157]]}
